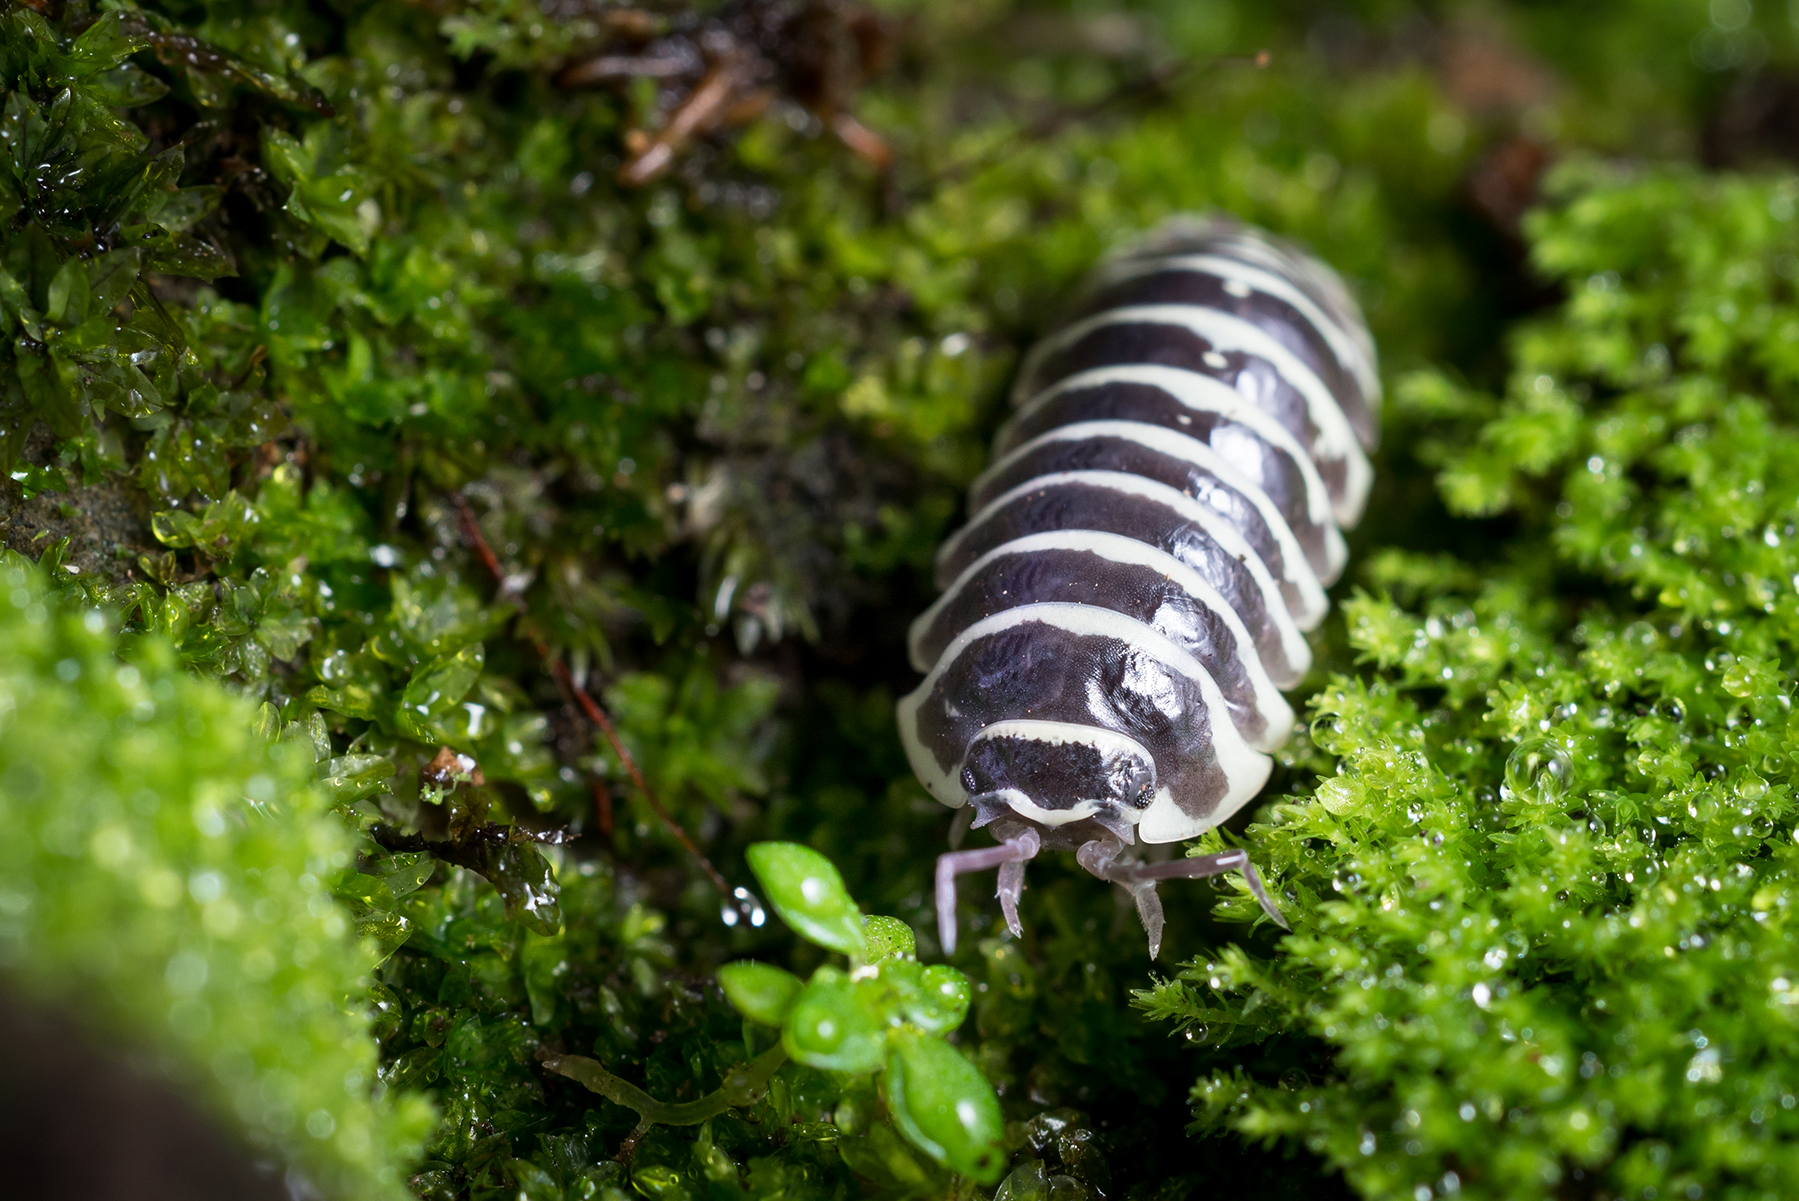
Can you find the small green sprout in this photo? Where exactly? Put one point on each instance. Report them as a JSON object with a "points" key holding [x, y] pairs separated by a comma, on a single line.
{"points": [[807, 891], [759, 991], [886, 1014]]}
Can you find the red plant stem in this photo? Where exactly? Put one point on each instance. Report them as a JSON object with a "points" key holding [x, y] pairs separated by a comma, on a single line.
{"points": [[477, 543], [598, 717], [602, 807]]}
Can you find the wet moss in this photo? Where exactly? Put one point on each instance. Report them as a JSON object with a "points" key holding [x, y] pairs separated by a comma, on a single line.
{"points": [[287, 285], [1550, 856], [165, 881]]}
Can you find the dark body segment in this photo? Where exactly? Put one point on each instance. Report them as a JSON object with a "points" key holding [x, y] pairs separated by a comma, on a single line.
{"points": [[1126, 577], [1117, 503], [1182, 463], [1260, 451], [1210, 281], [1227, 349], [1184, 240]]}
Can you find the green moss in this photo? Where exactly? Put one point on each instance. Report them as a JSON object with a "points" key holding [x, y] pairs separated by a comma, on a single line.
{"points": [[165, 875], [277, 278], [1550, 864]]}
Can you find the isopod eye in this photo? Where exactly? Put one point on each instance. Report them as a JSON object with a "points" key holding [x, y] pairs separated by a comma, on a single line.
{"points": [[1139, 783], [968, 782]]}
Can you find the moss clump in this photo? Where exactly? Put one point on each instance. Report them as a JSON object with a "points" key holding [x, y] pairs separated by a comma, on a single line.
{"points": [[165, 875], [1550, 865]]}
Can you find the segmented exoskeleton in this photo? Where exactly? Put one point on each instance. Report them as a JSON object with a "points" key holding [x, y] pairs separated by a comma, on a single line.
{"points": [[1153, 539]]}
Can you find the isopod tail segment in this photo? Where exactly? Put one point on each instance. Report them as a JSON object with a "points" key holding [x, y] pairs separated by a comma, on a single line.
{"points": [[1018, 845]]}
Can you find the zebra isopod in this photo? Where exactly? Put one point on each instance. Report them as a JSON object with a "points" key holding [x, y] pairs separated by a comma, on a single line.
{"points": [[1132, 590]]}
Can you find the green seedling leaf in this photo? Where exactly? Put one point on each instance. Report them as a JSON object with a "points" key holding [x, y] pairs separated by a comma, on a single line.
{"points": [[807, 891], [933, 999], [942, 1000], [945, 1107], [833, 1025], [888, 938], [761, 992]]}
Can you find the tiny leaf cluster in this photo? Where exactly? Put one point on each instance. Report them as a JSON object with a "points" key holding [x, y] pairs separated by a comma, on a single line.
{"points": [[879, 1016]]}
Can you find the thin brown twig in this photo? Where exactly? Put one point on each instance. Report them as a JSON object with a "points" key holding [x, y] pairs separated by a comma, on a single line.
{"points": [[476, 541], [701, 111]]}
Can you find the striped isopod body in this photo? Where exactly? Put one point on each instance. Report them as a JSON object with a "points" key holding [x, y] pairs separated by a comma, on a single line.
{"points": [[1154, 537]]}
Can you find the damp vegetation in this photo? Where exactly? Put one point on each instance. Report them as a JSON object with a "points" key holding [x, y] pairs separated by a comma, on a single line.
{"points": [[466, 468]]}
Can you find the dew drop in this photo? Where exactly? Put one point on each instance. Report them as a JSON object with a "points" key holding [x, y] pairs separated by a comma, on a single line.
{"points": [[743, 906], [1537, 769]]}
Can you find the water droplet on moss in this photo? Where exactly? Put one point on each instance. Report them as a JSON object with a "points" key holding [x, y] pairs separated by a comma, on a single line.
{"points": [[743, 906], [1538, 770]]}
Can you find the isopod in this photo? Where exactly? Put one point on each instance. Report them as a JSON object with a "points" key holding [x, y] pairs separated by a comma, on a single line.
{"points": [[1154, 537]]}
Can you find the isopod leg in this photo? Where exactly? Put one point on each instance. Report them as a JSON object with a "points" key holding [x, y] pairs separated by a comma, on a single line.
{"points": [[1149, 911], [1098, 857], [1011, 887], [1015, 850], [1211, 865]]}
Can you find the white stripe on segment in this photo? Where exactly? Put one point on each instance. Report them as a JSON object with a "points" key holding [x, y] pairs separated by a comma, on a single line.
{"points": [[1064, 733], [1019, 801], [1297, 569], [1209, 520], [1179, 234], [1204, 394], [1334, 439], [1245, 769], [1290, 261], [1343, 344], [1271, 706], [1326, 280]]}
